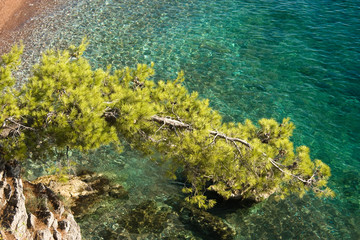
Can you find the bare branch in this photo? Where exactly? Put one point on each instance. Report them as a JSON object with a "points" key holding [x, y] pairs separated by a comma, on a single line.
{"points": [[11, 119], [170, 122], [222, 135], [13, 128], [137, 83], [49, 116], [308, 182], [176, 123], [160, 128], [238, 149]]}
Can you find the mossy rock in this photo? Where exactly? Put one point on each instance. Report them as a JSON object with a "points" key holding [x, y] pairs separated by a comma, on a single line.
{"points": [[205, 223], [85, 191], [146, 217]]}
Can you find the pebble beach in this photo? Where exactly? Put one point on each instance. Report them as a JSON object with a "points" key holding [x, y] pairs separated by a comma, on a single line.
{"points": [[19, 19]]}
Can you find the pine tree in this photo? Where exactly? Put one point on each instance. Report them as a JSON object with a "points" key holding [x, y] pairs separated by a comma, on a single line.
{"points": [[66, 104]]}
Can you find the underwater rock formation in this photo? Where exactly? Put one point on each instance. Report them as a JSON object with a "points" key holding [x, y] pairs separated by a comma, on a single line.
{"points": [[202, 221], [32, 211], [144, 218], [83, 191], [155, 219]]}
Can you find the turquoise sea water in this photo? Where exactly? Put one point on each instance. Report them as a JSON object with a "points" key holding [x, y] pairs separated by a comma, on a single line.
{"points": [[252, 59]]}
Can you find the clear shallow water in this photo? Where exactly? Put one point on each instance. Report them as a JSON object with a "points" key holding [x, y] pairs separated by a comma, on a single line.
{"points": [[252, 59]]}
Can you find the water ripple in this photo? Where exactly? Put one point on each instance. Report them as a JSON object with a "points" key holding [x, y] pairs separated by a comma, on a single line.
{"points": [[253, 59]]}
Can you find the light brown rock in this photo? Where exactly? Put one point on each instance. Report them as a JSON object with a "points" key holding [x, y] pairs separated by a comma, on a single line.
{"points": [[42, 223]]}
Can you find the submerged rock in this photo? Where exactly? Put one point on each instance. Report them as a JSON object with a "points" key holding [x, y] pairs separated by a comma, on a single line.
{"points": [[152, 220], [207, 223], [202, 221], [84, 191], [145, 218]]}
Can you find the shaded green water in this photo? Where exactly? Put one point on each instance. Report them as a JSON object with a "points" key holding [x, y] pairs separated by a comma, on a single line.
{"points": [[252, 59]]}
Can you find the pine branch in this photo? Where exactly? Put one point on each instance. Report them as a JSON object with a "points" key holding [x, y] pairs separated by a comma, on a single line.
{"points": [[176, 123], [13, 127], [170, 122], [308, 182]]}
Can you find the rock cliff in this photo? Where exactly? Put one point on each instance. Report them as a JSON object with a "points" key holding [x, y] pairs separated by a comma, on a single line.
{"points": [[32, 211]]}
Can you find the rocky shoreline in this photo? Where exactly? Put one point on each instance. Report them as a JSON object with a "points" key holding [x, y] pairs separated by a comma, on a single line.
{"points": [[48, 209], [32, 211]]}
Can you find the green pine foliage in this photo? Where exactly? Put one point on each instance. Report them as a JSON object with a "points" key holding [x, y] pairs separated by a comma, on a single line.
{"points": [[9, 96], [65, 104]]}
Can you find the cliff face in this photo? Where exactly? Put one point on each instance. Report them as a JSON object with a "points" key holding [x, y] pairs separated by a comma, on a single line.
{"points": [[32, 211]]}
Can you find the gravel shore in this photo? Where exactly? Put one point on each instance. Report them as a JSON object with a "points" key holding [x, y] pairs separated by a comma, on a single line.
{"points": [[18, 18]]}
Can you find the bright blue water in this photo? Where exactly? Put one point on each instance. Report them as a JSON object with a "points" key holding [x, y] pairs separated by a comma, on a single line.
{"points": [[252, 59]]}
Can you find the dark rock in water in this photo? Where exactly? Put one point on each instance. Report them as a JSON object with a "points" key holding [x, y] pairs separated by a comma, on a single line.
{"points": [[208, 224], [154, 222], [202, 221], [98, 183], [82, 192], [107, 234], [110, 234], [145, 218], [99, 187], [83, 203], [118, 192]]}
